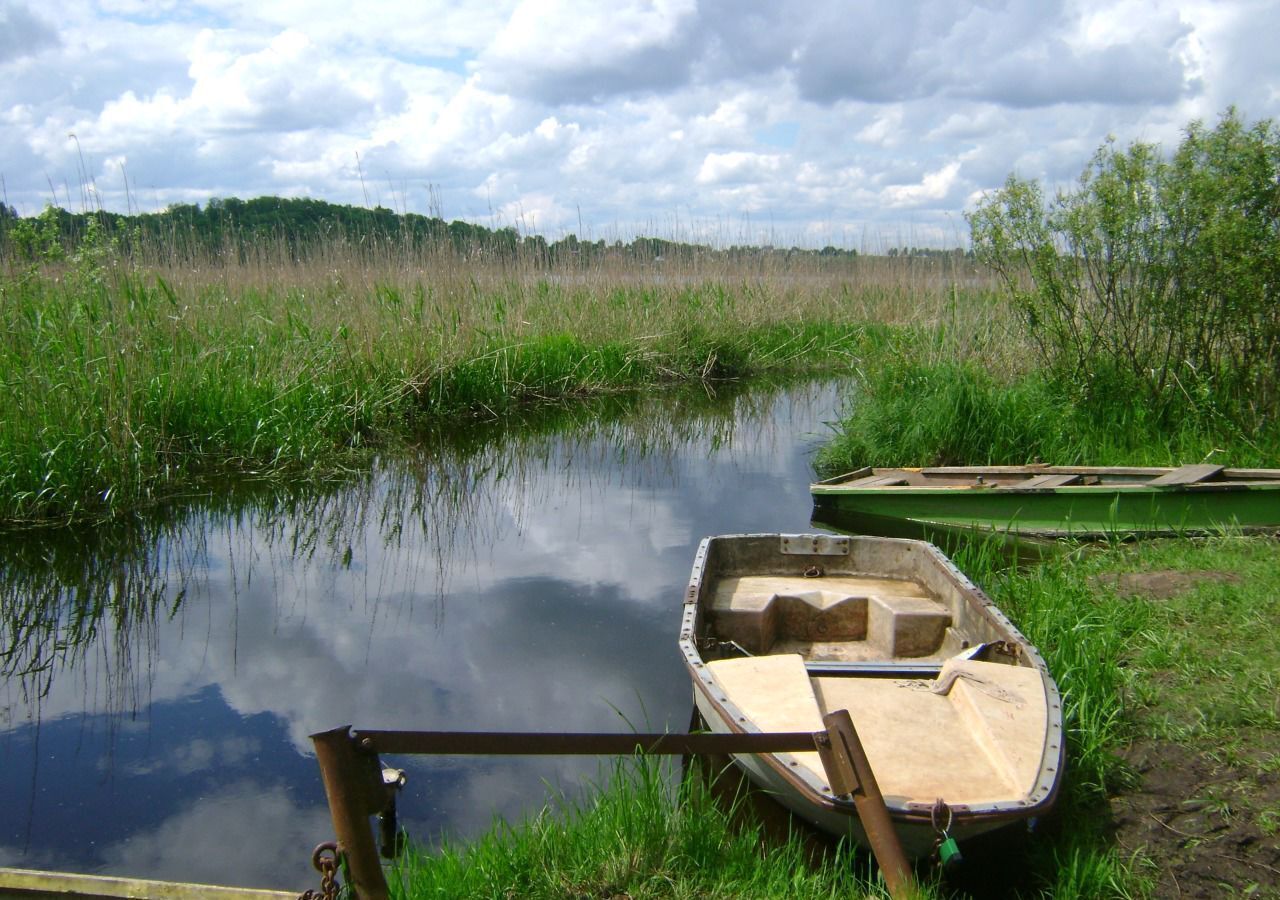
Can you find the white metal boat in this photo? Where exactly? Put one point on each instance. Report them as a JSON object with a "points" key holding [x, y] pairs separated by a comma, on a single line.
{"points": [[958, 714]]}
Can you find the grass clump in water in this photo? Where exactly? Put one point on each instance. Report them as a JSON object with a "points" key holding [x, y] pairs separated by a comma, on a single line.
{"points": [[638, 837]]}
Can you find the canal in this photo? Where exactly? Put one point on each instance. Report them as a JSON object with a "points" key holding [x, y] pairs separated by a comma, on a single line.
{"points": [[160, 678]]}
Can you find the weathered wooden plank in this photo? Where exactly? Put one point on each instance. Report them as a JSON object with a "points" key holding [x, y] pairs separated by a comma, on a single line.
{"points": [[1188, 474], [502, 743], [878, 481], [30, 884], [1046, 481]]}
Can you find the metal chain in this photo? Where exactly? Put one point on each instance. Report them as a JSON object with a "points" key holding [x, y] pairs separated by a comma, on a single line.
{"points": [[325, 860]]}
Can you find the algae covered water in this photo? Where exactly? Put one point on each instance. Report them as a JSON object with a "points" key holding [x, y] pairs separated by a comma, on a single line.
{"points": [[160, 678]]}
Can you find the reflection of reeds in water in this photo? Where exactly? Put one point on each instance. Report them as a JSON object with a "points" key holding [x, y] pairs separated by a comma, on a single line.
{"points": [[66, 594], [93, 599]]}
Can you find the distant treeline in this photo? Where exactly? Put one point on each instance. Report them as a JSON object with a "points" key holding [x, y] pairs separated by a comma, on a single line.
{"points": [[302, 226]]}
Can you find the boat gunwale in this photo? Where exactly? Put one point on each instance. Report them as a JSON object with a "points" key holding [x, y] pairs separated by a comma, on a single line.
{"points": [[1233, 478], [1053, 753], [823, 488]]}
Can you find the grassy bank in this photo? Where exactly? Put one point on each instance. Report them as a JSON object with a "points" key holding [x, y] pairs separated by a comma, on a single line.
{"points": [[926, 409], [1166, 657], [1166, 662], [638, 838], [124, 384]]}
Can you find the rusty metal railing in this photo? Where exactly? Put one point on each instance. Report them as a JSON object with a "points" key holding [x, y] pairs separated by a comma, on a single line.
{"points": [[356, 789]]}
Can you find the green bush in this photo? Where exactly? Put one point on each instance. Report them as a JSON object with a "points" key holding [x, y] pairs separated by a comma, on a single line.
{"points": [[1165, 269]]}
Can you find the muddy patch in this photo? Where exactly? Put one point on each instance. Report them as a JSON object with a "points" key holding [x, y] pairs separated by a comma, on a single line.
{"points": [[1160, 585], [1209, 829]]}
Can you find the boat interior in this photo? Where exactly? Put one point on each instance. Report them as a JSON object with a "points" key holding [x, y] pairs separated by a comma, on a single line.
{"points": [[1048, 477], [939, 713], [832, 619]]}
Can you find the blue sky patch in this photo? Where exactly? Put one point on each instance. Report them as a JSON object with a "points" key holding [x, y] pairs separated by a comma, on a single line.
{"points": [[782, 135]]}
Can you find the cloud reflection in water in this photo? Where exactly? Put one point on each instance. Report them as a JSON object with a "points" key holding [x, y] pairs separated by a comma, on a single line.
{"points": [[522, 581]]}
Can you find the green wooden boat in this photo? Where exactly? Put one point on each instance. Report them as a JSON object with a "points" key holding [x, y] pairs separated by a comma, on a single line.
{"points": [[1060, 501]]}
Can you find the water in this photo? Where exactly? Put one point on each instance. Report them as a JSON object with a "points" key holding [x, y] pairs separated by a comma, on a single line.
{"points": [[524, 578]]}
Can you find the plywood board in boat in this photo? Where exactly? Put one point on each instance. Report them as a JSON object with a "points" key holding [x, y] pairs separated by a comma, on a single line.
{"points": [[974, 736]]}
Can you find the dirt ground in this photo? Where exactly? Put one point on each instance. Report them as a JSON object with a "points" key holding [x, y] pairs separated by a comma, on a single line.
{"points": [[1203, 823], [1198, 821], [1160, 585]]}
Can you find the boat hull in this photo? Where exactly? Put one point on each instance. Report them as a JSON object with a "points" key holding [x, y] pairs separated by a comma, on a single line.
{"points": [[1082, 510]]}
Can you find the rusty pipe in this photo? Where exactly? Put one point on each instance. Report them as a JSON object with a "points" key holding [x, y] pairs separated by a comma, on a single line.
{"points": [[849, 774], [353, 787]]}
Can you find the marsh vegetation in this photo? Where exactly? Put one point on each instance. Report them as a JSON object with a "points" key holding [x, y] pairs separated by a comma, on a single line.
{"points": [[129, 379]]}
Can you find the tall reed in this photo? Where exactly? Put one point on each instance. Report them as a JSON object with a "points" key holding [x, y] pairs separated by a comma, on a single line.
{"points": [[130, 375]]}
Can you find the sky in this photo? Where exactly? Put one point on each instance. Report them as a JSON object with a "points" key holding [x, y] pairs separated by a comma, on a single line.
{"points": [[860, 124]]}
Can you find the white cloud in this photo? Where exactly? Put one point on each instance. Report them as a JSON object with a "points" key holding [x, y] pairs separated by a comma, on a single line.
{"points": [[288, 85], [933, 187], [580, 50], [627, 114], [536, 213], [177, 849], [738, 167], [885, 130]]}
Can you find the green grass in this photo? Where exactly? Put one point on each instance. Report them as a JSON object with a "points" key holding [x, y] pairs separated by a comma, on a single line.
{"points": [[638, 837], [913, 409], [1197, 668], [129, 378], [1208, 662]]}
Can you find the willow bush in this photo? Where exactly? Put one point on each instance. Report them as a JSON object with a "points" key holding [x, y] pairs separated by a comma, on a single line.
{"points": [[1162, 271]]}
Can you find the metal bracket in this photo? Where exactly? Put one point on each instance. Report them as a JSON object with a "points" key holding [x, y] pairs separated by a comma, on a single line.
{"points": [[815, 545]]}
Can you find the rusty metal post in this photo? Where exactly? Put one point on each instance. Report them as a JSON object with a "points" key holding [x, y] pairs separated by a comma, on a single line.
{"points": [[849, 772], [353, 786]]}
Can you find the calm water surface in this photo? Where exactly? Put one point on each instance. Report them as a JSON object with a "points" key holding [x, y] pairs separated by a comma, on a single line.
{"points": [[160, 679]]}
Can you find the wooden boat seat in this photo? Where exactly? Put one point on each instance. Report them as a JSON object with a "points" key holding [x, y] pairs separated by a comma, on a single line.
{"points": [[978, 742], [877, 481], [974, 735], [1188, 475], [1046, 481], [851, 617]]}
